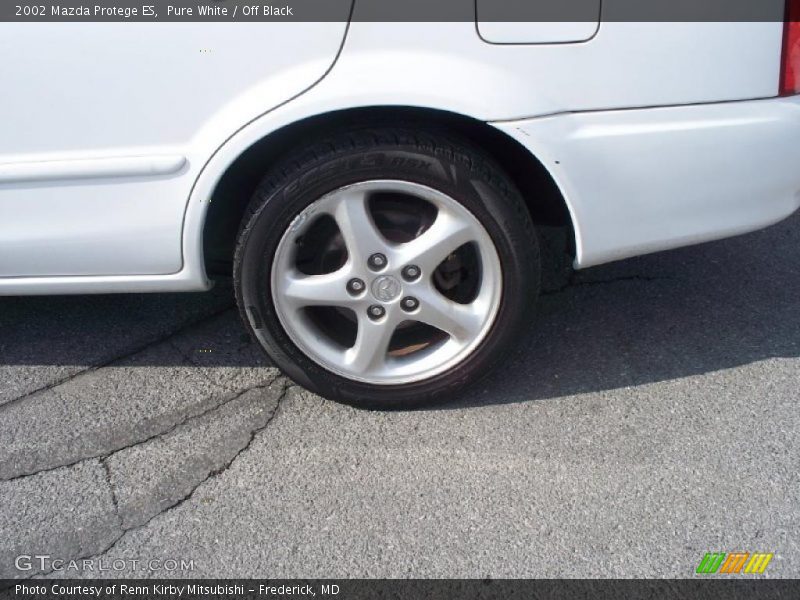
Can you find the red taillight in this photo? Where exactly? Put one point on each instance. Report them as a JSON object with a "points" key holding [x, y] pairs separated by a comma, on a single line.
{"points": [[790, 69]]}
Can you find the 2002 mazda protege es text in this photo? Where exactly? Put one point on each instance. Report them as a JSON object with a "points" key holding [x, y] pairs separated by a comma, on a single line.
{"points": [[376, 188]]}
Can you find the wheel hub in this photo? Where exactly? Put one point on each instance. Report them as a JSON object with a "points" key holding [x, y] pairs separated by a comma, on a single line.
{"points": [[386, 288]]}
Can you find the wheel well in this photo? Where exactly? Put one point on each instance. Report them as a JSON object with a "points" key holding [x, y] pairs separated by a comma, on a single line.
{"points": [[237, 185]]}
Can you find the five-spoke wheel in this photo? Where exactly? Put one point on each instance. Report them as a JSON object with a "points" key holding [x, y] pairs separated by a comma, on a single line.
{"points": [[386, 289]]}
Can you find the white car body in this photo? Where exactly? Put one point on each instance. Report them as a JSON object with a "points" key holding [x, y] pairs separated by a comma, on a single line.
{"points": [[116, 136]]}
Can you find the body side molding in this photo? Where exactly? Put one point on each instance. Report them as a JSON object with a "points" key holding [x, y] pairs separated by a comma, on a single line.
{"points": [[90, 168]]}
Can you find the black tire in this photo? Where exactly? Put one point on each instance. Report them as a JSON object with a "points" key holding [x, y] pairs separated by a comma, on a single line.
{"points": [[436, 160]]}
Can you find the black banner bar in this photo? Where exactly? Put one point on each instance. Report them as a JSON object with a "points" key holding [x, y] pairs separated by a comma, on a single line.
{"points": [[347, 589], [155, 11]]}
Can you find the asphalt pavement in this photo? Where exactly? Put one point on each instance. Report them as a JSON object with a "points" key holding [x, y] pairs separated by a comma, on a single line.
{"points": [[652, 416]]}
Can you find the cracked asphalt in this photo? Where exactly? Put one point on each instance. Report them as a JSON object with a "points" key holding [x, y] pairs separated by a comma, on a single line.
{"points": [[651, 417]]}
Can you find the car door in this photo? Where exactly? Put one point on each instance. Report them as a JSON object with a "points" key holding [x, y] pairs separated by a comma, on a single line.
{"points": [[105, 127]]}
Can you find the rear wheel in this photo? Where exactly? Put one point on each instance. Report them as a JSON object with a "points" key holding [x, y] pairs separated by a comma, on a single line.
{"points": [[387, 269]]}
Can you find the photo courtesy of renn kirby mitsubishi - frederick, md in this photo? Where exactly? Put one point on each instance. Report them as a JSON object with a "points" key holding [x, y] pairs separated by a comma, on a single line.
{"points": [[377, 190]]}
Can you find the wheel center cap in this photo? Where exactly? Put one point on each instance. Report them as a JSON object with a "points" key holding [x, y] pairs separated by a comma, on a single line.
{"points": [[386, 288]]}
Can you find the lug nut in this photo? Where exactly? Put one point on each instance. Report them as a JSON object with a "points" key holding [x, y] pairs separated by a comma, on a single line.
{"points": [[356, 286], [411, 272], [377, 262], [410, 303], [376, 312]]}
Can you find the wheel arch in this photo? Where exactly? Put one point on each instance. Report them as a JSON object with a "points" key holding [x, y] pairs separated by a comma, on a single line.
{"points": [[235, 185]]}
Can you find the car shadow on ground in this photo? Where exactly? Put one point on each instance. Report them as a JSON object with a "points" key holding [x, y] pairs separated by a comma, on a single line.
{"points": [[660, 317], [654, 318]]}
